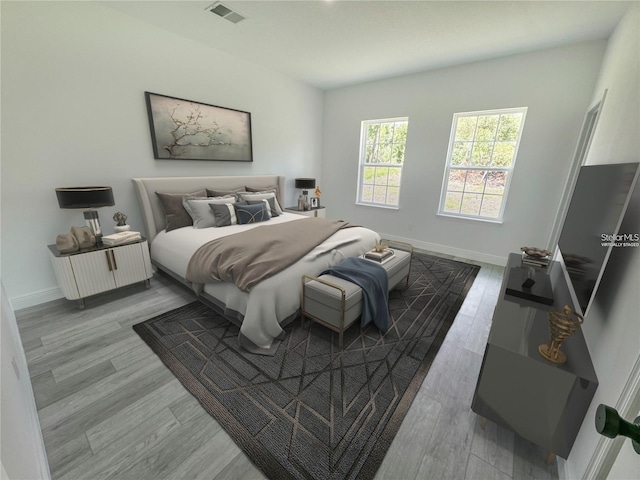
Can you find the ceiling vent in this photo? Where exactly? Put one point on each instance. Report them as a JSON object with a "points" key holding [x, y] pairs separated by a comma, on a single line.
{"points": [[225, 12]]}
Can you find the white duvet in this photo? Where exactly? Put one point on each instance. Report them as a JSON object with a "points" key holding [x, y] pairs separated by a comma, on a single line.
{"points": [[274, 299]]}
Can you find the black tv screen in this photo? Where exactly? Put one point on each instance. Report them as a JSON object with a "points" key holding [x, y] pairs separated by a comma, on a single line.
{"points": [[590, 230]]}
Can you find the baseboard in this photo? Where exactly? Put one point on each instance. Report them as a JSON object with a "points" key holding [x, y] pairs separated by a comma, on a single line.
{"points": [[50, 294], [450, 251], [35, 298]]}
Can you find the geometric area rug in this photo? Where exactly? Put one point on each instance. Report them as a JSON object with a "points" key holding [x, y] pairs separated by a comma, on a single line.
{"points": [[314, 411]]}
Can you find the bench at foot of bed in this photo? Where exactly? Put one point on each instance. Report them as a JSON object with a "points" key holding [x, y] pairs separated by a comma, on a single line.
{"points": [[337, 303]]}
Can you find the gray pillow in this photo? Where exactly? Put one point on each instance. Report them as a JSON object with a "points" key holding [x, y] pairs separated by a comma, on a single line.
{"points": [[271, 205], [223, 214], [224, 193], [274, 188], [198, 209], [248, 197], [175, 214]]}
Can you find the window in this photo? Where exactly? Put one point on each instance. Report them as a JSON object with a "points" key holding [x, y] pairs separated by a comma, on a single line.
{"points": [[382, 144], [482, 153]]}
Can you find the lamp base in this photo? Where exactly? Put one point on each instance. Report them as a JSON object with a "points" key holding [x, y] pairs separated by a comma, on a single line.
{"points": [[92, 221]]}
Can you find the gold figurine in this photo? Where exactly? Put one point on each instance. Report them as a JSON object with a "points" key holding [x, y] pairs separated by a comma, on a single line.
{"points": [[562, 326]]}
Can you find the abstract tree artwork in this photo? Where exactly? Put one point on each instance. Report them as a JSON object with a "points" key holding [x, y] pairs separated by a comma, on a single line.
{"points": [[187, 130]]}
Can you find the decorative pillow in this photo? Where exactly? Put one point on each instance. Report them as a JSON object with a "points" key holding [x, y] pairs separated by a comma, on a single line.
{"points": [[269, 188], [270, 203], [198, 209], [247, 197], [223, 214], [176, 215], [251, 213], [224, 193]]}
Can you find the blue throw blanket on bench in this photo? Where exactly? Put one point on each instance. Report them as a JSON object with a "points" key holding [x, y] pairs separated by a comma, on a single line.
{"points": [[374, 282]]}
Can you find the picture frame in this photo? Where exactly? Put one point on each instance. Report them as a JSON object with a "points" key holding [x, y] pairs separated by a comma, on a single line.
{"points": [[188, 130], [314, 203]]}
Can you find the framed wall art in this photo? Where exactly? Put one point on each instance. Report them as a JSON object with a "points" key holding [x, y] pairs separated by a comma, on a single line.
{"points": [[187, 130]]}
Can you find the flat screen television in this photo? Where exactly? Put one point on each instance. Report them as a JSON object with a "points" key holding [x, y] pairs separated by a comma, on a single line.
{"points": [[591, 227]]}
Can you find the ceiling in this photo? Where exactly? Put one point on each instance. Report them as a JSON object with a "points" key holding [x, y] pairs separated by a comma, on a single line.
{"points": [[330, 44]]}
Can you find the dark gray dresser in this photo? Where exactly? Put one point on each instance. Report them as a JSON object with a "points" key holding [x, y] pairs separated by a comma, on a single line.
{"points": [[520, 390]]}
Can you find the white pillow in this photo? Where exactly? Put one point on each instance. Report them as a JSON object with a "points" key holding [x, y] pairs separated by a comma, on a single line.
{"points": [[198, 209], [248, 196]]}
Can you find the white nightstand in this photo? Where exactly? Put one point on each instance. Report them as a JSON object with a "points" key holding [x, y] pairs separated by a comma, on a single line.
{"points": [[100, 269], [316, 212]]}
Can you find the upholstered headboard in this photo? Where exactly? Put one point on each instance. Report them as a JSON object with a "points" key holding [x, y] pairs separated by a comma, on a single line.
{"points": [[154, 216]]}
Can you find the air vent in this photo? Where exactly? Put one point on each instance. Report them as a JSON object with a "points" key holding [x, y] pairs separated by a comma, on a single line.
{"points": [[225, 12]]}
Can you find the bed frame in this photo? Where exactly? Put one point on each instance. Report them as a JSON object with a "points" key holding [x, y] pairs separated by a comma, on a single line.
{"points": [[154, 220], [152, 213]]}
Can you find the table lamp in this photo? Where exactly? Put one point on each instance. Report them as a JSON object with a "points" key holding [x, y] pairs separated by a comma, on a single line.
{"points": [[88, 198], [305, 184]]}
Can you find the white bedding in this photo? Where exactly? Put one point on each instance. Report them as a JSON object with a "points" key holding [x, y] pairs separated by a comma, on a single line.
{"points": [[275, 298]]}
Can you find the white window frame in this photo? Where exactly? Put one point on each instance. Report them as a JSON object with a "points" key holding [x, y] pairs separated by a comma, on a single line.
{"points": [[362, 164], [509, 169]]}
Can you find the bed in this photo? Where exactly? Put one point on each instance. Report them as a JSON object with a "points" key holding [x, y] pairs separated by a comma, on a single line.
{"points": [[269, 304]]}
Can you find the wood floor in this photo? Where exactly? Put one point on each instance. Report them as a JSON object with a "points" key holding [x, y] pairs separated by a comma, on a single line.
{"points": [[110, 409]]}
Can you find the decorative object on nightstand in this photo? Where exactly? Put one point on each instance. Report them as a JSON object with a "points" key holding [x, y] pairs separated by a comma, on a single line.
{"points": [[562, 326], [314, 202], [67, 243], [84, 236], [87, 198], [305, 184], [78, 238], [121, 238], [121, 222]]}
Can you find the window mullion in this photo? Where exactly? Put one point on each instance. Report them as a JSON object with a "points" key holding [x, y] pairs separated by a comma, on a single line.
{"points": [[495, 139], [493, 169]]}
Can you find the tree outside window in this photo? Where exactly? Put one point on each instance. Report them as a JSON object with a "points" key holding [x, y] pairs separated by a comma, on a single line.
{"points": [[382, 151], [482, 154]]}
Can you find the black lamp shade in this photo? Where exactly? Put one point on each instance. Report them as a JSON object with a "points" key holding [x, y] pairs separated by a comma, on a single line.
{"points": [[85, 197], [305, 183]]}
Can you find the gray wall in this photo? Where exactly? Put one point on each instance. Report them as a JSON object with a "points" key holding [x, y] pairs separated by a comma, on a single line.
{"points": [[612, 328], [556, 85], [73, 113]]}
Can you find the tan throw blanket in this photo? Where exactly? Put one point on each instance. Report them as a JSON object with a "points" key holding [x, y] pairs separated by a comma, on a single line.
{"points": [[246, 258]]}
